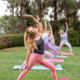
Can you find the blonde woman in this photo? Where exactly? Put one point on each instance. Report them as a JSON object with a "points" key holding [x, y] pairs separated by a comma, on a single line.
{"points": [[64, 38], [36, 44]]}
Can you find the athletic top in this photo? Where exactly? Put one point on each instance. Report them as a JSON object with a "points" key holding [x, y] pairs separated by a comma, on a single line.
{"points": [[45, 36], [40, 46], [64, 36], [51, 38]]}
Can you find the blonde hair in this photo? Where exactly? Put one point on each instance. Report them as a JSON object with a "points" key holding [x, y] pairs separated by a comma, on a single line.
{"points": [[61, 32], [29, 39]]}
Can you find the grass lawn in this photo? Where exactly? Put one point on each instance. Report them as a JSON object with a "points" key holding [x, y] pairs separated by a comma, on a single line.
{"points": [[15, 56]]}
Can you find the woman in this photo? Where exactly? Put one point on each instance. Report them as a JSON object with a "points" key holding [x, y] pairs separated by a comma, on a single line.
{"points": [[47, 44], [52, 41], [64, 38], [36, 44]]}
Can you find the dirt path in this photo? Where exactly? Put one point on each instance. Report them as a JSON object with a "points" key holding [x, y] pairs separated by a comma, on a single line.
{"points": [[17, 50]]}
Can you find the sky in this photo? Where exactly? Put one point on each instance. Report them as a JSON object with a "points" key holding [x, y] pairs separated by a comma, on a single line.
{"points": [[3, 7]]}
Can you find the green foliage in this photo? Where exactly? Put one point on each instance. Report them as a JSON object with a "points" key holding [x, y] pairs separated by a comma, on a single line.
{"points": [[10, 24], [11, 40]]}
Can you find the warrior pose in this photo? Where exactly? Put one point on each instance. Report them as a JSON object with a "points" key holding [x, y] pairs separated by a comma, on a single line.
{"points": [[64, 38], [36, 44]]}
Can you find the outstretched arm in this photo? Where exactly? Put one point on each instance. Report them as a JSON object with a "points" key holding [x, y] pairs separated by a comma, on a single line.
{"points": [[35, 20], [66, 27], [45, 25], [40, 27], [51, 29]]}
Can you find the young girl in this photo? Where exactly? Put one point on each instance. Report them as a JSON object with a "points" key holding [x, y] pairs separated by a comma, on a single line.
{"points": [[36, 44]]}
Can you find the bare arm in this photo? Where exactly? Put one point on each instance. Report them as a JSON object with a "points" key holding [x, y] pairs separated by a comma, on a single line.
{"points": [[28, 55], [40, 27], [45, 25], [35, 20], [51, 30]]}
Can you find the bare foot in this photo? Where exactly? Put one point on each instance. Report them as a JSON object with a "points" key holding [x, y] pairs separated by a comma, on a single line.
{"points": [[56, 59], [62, 55], [20, 67]]}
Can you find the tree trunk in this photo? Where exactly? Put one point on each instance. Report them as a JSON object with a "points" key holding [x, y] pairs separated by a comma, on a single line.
{"points": [[67, 17], [55, 18], [40, 9], [21, 25], [13, 11]]}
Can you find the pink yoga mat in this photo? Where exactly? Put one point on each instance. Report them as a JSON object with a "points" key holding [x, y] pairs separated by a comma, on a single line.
{"points": [[59, 60], [65, 53], [64, 79]]}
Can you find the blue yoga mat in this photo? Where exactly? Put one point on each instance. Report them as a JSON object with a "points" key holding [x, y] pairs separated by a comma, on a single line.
{"points": [[58, 67], [60, 56]]}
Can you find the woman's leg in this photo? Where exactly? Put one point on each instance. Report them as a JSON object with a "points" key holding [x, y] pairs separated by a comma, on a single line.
{"points": [[46, 53], [58, 49], [62, 43], [32, 61], [45, 63], [67, 43], [48, 45]]}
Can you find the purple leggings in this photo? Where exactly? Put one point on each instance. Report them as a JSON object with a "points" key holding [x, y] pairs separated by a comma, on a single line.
{"points": [[48, 54], [49, 46]]}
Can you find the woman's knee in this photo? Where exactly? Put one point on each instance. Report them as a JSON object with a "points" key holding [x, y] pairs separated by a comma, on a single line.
{"points": [[53, 68], [70, 46]]}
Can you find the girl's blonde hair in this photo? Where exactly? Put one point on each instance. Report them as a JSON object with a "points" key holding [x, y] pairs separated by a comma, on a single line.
{"points": [[29, 39]]}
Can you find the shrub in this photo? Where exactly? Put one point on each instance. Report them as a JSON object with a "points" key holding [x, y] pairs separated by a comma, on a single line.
{"points": [[11, 40]]}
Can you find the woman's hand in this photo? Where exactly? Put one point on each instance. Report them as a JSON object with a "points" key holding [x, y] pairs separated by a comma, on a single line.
{"points": [[37, 17], [49, 24], [44, 18], [65, 23], [26, 65]]}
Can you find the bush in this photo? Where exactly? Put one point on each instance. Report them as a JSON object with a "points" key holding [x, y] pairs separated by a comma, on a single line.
{"points": [[11, 40], [73, 38], [18, 40]]}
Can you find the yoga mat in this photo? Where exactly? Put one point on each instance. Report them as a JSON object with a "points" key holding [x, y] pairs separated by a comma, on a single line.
{"points": [[64, 79], [65, 53], [58, 67], [59, 60], [60, 56]]}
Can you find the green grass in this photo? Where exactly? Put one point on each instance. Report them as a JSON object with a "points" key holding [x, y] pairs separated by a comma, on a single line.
{"points": [[71, 65]]}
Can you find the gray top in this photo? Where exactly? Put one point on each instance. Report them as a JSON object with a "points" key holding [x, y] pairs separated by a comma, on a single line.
{"points": [[64, 36], [51, 38], [40, 46], [45, 36]]}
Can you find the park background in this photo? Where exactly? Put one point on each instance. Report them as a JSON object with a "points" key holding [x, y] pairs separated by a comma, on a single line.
{"points": [[13, 25]]}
